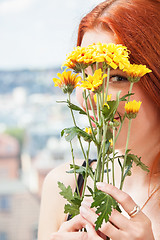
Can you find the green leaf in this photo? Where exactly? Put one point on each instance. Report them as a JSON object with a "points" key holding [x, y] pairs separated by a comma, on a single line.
{"points": [[90, 190], [119, 117], [137, 161], [104, 204], [109, 134], [66, 192], [128, 150], [72, 209], [73, 199], [76, 108], [76, 201], [120, 164], [124, 97], [109, 112], [107, 145], [82, 170], [113, 105], [128, 171], [61, 101], [72, 132]]}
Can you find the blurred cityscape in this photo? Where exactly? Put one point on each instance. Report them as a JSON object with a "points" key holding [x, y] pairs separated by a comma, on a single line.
{"points": [[35, 36], [30, 146]]}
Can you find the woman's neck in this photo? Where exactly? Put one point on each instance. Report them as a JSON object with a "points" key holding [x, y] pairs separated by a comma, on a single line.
{"points": [[149, 151]]}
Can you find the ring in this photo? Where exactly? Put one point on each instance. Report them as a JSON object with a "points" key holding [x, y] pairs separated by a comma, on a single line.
{"points": [[135, 210]]}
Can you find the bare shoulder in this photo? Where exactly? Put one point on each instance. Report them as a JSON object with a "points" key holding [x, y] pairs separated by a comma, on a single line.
{"points": [[52, 203], [60, 174]]}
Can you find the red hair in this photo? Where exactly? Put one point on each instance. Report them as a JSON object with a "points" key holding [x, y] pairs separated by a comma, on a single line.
{"points": [[136, 24]]}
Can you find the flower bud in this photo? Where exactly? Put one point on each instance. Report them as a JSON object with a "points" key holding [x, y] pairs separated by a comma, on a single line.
{"points": [[132, 109]]}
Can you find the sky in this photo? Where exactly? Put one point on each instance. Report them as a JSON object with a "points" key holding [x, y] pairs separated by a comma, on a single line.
{"points": [[39, 33]]}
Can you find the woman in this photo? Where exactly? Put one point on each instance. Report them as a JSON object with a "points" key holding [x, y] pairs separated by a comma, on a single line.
{"points": [[135, 24]]}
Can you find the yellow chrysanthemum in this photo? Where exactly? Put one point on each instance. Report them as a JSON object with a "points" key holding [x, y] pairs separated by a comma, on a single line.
{"points": [[117, 56], [69, 64], [132, 108], [88, 130], [94, 82], [79, 58], [114, 55], [67, 81], [135, 71]]}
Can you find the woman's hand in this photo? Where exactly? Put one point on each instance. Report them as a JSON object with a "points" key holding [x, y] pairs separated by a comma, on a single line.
{"points": [[138, 227], [70, 230]]}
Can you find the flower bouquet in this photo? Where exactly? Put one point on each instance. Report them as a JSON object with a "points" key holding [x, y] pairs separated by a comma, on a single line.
{"points": [[103, 130]]}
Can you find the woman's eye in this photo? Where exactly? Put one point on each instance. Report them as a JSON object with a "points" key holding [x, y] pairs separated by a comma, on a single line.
{"points": [[117, 78]]}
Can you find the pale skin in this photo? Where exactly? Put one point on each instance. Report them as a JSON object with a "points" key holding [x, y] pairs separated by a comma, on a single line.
{"points": [[144, 142]]}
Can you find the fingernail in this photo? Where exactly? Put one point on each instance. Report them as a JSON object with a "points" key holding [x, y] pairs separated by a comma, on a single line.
{"points": [[100, 185]]}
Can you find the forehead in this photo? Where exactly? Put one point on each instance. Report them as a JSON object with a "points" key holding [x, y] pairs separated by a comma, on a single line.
{"points": [[95, 36]]}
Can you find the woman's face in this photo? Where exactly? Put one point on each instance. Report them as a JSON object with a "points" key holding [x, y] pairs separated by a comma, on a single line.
{"points": [[147, 118]]}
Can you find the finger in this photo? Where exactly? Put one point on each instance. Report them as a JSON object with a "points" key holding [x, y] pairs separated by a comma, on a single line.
{"points": [[92, 234], [69, 236], [87, 213], [119, 220], [73, 225], [123, 198], [110, 231], [107, 228]]}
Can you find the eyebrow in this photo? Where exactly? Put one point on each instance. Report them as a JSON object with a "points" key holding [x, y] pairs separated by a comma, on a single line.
{"points": [[117, 72]]}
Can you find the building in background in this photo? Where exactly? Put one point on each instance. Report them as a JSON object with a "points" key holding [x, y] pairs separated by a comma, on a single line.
{"points": [[9, 157], [19, 211], [29, 113], [19, 207]]}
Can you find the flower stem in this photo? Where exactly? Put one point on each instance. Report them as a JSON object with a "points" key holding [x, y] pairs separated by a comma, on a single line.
{"points": [[107, 168], [107, 84], [103, 87], [129, 129], [92, 69], [99, 165], [74, 168], [113, 178], [97, 65], [130, 90], [119, 130], [86, 173], [125, 157], [99, 140], [74, 121], [90, 101], [103, 152], [85, 99], [86, 105]]}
